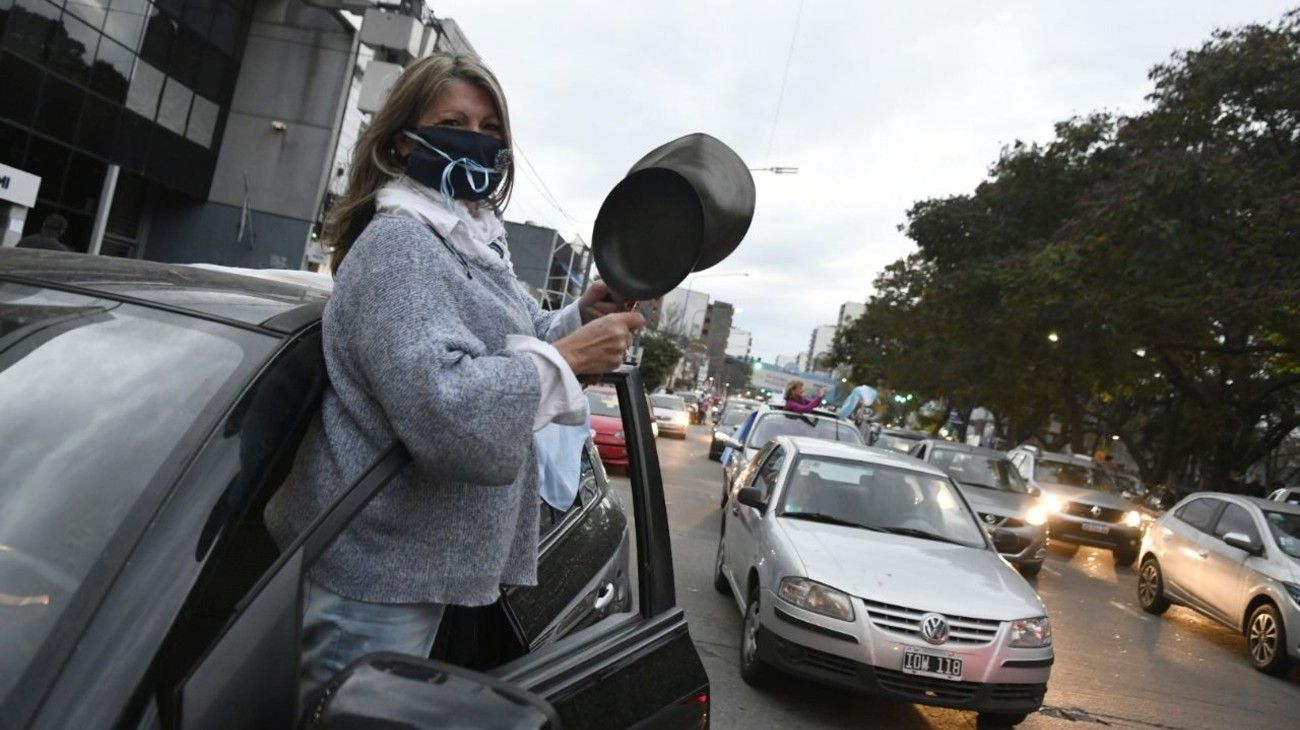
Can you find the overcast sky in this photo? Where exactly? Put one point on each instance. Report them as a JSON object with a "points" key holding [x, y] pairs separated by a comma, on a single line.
{"points": [[884, 105]]}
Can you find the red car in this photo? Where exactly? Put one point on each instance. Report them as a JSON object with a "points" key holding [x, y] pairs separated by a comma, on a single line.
{"points": [[607, 426]]}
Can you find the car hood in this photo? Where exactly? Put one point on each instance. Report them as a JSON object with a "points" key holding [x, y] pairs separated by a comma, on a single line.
{"points": [[665, 412], [913, 573], [996, 501], [606, 424], [1084, 495]]}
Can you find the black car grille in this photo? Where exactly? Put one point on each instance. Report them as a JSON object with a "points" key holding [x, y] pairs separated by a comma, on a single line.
{"points": [[925, 688], [829, 662], [1105, 514]]}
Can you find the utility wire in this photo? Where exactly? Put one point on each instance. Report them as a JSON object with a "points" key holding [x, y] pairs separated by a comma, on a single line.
{"points": [[536, 178], [794, 34]]}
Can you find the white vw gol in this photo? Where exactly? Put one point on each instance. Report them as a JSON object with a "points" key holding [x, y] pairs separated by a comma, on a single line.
{"points": [[868, 571]]}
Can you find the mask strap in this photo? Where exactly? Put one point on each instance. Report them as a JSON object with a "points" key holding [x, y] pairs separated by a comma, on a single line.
{"points": [[471, 168]]}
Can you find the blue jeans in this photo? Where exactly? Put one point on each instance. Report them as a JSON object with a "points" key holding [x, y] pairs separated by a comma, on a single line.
{"points": [[337, 631]]}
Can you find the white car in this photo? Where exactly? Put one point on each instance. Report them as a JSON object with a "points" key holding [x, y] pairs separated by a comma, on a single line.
{"points": [[1290, 495], [670, 413], [867, 570]]}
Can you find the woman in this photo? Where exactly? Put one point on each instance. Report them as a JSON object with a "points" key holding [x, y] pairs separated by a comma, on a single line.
{"points": [[429, 339], [795, 401]]}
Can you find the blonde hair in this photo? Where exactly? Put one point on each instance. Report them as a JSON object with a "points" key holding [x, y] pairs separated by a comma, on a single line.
{"points": [[375, 160], [791, 387]]}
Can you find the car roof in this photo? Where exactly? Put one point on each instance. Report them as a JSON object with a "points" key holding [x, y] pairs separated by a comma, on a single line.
{"points": [[906, 433], [857, 452], [270, 304], [965, 448]]}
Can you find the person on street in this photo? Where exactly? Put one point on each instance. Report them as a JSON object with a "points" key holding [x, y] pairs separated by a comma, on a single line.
{"points": [[795, 400], [52, 229], [431, 341]]}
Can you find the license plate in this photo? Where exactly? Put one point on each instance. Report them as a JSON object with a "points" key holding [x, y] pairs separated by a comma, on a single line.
{"points": [[1099, 529], [928, 664]]}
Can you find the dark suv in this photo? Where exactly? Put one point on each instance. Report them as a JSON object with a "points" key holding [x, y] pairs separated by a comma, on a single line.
{"points": [[149, 413]]}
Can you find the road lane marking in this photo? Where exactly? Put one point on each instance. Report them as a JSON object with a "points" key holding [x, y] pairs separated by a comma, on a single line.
{"points": [[1130, 610]]}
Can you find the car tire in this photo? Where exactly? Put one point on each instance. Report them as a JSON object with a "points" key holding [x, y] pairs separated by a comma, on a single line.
{"points": [[1029, 570], [719, 580], [753, 669], [1266, 640], [1151, 588], [1000, 719], [1124, 558]]}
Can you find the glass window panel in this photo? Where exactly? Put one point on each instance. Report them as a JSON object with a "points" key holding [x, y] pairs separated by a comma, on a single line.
{"points": [[59, 109], [22, 87], [84, 183], [4, 14], [48, 161], [186, 57], [175, 7], [13, 144], [98, 125], [112, 72], [131, 143], [203, 121], [175, 107], [209, 74], [146, 85], [73, 49], [30, 27], [159, 34], [198, 15], [126, 20], [225, 28], [91, 11]]}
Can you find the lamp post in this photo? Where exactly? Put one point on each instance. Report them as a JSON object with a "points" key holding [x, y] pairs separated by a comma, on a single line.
{"points": [[777, 170]]}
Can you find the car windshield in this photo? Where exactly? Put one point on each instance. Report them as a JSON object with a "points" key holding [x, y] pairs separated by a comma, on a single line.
{"points": [[1073, 474], [980, 470], [734, 417], [1285, 527], [97, 396], [896, 442], [771, 425], [671, 402], [690, 398], [603, 404], [879, 498]]}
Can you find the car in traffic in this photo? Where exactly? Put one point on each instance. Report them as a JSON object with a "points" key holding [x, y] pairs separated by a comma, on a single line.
{"points": [[671, 413], [869, 571], [133, 534], [607, 426], [727, 425], [766, 423], [692, 401], [999, 495], [746, 404], [1290, 495], [902, 440], [1236, 560], [1085, 506]]}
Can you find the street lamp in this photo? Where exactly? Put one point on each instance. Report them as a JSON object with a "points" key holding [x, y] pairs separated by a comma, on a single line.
{"points": [[777, 170], [1053, 337]]}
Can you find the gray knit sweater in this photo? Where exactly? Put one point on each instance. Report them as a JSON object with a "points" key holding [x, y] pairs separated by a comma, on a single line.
{"points": [[416, 350]]}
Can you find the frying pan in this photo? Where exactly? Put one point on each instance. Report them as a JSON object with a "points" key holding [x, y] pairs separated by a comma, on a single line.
{"points": [[683, 207]]}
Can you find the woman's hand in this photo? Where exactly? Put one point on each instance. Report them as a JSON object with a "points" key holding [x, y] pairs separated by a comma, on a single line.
{"points": [[598, 346], [598, 301]]}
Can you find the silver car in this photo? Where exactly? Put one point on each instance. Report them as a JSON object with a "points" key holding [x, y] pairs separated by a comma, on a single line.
{"points": [[868, 571], [1000, 496], [1235, 559], [767, 423]]}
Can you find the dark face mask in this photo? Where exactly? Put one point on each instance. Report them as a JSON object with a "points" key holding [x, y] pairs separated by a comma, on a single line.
{"points": [[458, 163]]}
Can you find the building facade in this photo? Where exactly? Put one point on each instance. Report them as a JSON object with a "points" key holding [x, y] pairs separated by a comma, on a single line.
{"points": [[740, 343], [682, 313], [850, 311], [819, 344], [715, 333], [556, 268]]}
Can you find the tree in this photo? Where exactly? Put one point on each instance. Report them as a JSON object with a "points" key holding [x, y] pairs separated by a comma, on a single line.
{"points": [[659, 356]]}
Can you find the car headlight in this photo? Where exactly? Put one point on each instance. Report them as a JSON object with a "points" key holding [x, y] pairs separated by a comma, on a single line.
{"points": [[1294, 590], [1133, 518], [718, 436], [1031, 633], [815, 597], [1036, 516], [681, 418], [1051, 503]]}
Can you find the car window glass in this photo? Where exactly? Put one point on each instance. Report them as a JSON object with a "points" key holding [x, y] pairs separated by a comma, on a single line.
{"points": [[671, 402], [980, 470], [1198, 512], [1285, 528], [1074, 474], [1235, 518], [602, 403], [770, 471], [80, 451], [895, 442]]}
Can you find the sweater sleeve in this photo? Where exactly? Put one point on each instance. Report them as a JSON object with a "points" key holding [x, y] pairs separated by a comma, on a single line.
{"points": [[552, 324], [464, 413]]}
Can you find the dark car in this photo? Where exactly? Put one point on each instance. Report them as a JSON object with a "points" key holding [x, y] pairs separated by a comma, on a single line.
{"points": [[149, 413], [727, 425], [1006, 504], [901, 440]]}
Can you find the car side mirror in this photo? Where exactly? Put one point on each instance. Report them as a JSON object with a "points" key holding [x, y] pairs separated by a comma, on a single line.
{"points": [[1241, 542], [1004, 541], [395, 690], [752, 497], [731, 443]]}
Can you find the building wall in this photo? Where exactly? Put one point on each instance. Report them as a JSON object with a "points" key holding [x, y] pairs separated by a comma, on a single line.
{"points": [[682, 313], [206, 233], [739, 343], [819, 343], [530, 251], [716, 332], [850, 311]]}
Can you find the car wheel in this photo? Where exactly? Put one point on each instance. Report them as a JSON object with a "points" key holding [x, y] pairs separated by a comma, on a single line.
{"points": [[1029, 570], [752, 668], [1151, 588], [1000, 719], [1266, 640], [720, 580], [1124, 558]]}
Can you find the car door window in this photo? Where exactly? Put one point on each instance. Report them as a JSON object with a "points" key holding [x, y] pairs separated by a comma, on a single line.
{"points": [[1235, 518], [1198, 513], [1022, 464], [770, 471]]}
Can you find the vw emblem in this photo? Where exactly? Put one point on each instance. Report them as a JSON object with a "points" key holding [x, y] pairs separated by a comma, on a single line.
{"points": [[934, 628], [1095, 511], [991, 519]]}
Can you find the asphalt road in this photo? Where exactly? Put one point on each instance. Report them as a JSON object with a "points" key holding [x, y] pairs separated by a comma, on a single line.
{"points": [[1115, 665]]}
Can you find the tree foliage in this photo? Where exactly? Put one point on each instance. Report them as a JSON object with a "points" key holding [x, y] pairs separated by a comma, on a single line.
{"points": [[1159, 251], [659, 356]]}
